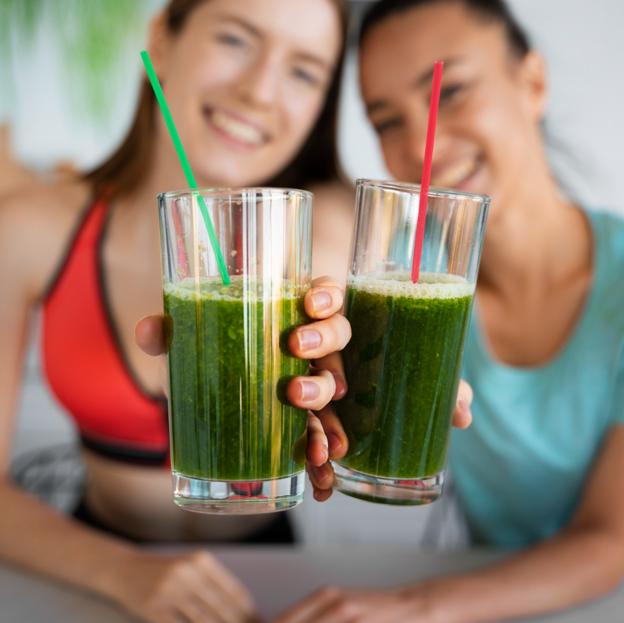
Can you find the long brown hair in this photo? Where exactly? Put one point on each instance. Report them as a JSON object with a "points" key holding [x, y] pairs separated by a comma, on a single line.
{"points": [[316, 161]]}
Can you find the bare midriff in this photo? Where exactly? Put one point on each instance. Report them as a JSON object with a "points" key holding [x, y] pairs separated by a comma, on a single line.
{"points": [[137, 501]]}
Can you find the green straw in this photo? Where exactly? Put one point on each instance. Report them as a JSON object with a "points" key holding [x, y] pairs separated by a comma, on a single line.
{"points": [[186, 167]]}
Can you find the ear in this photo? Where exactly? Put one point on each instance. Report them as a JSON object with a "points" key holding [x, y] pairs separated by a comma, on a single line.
{"points": [[158, 42], [534, 78]]}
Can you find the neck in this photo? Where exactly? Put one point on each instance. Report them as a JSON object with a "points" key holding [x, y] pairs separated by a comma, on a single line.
{"points": [[534, 240]]}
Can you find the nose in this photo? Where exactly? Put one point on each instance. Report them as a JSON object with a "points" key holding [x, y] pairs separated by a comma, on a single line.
{"points": [[416, 139], [260, 84]]}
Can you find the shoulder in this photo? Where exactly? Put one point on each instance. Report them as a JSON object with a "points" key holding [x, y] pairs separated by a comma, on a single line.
{"points": [[35, 225], [609, 232]]}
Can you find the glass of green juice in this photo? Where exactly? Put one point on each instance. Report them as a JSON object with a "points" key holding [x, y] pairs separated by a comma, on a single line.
{"points": [[403, 362], [236, 445]]}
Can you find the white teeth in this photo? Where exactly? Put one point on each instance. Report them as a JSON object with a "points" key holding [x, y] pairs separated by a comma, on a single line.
{"points": [[456, 174], [237, 129]]}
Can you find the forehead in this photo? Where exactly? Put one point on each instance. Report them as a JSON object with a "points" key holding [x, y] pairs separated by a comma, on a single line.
{"points": [[309, 26], [407, 44]]}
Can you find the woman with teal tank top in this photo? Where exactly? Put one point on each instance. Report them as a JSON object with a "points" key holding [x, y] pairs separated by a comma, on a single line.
{"points": [[539, 472]]}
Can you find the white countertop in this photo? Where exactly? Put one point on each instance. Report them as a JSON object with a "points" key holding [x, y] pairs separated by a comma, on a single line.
{"points": [[277, 577]]}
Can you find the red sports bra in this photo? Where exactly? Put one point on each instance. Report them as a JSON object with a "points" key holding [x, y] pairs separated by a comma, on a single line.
{"points": [[84, 361]]}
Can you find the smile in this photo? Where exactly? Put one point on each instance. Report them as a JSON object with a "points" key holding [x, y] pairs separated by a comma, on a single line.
{"points": [[457, 174], [235, 128]]}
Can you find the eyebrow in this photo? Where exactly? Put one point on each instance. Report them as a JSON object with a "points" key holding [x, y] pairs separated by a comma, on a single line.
{"points": [[250, 28], [316, 60], [257, 33], [420, 81]]}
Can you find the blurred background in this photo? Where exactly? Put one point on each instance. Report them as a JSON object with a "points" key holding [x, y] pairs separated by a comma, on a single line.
{"points": [[69, 76]]}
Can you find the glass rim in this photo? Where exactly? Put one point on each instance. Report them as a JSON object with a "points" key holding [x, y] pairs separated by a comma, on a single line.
{"points": [[216, 192], [434, 191]]}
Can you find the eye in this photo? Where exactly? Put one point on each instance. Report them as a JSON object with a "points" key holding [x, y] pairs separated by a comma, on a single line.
{"points": [[230, 39], [450, 91], [305, 76], [385, 125]]}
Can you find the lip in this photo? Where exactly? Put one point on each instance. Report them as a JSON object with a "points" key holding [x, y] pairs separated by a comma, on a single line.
{"points": [[466, 183], [227, 137]]}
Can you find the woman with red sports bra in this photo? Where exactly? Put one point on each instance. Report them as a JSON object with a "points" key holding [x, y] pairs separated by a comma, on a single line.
{"points": [[254, 100]]}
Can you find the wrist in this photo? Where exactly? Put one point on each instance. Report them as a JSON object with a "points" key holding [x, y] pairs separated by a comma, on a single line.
{"points": [[111, 579], [434, 601]]}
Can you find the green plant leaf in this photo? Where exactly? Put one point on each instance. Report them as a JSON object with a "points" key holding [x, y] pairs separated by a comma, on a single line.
{"points": [[92, 36]]}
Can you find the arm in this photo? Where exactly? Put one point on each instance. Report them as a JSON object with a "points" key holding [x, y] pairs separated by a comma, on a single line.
{"points": [[13, 176], [584, 561], [49, 533], [35, 536]]}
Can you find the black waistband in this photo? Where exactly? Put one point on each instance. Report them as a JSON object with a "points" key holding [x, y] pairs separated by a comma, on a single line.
{"points": [[125, 453], [278, 531]]}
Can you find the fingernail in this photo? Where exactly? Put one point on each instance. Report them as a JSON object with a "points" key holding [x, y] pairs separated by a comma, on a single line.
{"points": [[321, 300], [463, 406], [308, 339], [319, 474], [341, 386], [334, 442], [309, 390]]}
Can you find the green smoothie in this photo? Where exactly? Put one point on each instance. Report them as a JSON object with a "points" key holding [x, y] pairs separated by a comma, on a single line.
{"points": [[402, 367], [227, 363]]}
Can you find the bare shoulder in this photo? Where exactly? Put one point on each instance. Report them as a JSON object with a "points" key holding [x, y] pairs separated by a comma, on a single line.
{"points": [[35, 226], [43, 202]]}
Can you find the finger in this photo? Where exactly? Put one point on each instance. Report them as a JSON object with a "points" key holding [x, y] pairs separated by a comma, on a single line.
{"points": [[167, 616], [462, 416], [326, 280], [149, 334], [226, 582], [342, 610], [188, 611], [324, 300], [318, 339], [317, 452], [333, 363], [322, 479], [307, 611], [385, 612], [337, 441], [321, 495], [464, 392], [204, 598], [311, 392], [211, 602]]}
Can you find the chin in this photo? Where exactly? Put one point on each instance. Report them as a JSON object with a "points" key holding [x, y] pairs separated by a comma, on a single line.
{"points": [[230, 173]]}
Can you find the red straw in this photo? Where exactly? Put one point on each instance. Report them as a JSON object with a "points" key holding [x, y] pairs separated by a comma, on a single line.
{"points": [[426, 174]]}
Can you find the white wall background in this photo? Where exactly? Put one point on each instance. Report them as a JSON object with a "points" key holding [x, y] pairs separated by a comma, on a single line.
{"points": [[581, 40], [584, 47]]}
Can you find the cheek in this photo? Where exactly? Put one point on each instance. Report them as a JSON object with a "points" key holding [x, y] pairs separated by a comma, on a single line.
{"points": [[500, 130], [300, 113], [197, 70], [397, 163]]}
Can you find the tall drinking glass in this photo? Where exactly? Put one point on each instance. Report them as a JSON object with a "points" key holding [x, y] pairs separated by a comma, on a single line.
{"points": [[402, 364], [236, 445]]}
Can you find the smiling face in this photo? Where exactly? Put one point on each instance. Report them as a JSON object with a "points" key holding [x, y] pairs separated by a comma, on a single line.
{"points": [[246, 81], [487, 138]]}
